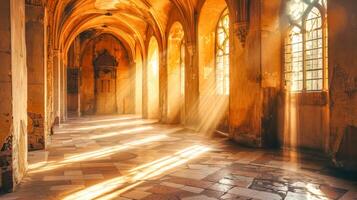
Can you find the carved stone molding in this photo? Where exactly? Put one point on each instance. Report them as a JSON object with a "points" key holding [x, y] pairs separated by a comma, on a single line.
{"points": [[241, 27], [241, 30], [35, 2]]}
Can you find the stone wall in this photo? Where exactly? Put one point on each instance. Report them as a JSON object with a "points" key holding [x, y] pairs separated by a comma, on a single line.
{"points": [[36, 63], [125, 103], [13, 106], [245, 112], [343, 82], [6, 98]]}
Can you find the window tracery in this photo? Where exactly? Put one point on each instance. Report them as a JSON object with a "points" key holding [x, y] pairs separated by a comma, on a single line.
{"points": [[222, 54], [306, 46]]}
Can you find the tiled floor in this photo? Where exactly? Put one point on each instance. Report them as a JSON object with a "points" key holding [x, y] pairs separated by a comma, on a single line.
{"points": [[124, 157]]}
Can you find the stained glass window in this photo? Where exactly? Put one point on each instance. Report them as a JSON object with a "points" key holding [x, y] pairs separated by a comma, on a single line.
{"points": [[306, 46], [222, 54]]}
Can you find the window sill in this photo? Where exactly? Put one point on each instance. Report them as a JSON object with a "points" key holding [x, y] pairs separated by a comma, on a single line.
{"points": [[313, 98]]}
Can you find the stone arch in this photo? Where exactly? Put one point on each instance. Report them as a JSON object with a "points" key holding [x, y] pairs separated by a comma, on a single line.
{"points": [[209, 100], [153, 79], [176, 74]]}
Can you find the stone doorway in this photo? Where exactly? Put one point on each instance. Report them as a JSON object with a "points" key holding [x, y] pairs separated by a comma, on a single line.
{"points": [[105, 83]]}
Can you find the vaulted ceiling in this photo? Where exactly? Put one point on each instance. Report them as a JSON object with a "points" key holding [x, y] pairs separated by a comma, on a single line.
{"points": [[129, 20]]}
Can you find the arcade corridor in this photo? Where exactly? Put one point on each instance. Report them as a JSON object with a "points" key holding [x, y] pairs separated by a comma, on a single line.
{"points": [[125, 157], [178, 99]]}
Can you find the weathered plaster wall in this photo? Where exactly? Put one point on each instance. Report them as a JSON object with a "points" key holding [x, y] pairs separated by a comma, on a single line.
{"points": [[37, 77], [271, 70], [13, 106], [246, 91], [125, 92], [343, 82], [6, 97], [19, 89]]}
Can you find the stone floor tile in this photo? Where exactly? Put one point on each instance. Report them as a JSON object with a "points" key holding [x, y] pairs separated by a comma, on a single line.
{"points": [[161, 197], [192, 189], [54, 178], [199, 197], [212, 193], [93, 176], [173, 185], [67, 187], [190, 174], [221, 187], [73, 173], [349, 196], [161, 189], [135, 194], [246, 174], [254, 193]]}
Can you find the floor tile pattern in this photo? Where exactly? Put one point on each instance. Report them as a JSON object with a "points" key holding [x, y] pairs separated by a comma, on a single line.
{"points": [[127, 158]]}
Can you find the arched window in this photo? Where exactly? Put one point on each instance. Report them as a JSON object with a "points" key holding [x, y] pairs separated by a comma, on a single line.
{"points": [[222, 54], [306, 46]]}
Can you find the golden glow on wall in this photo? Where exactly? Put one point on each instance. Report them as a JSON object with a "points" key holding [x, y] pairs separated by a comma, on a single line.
{"points": [[138, 82], [306, 46], [112, 188], [183, 70], [213, 32], [176, 74], [153, 79], [222, 54]]}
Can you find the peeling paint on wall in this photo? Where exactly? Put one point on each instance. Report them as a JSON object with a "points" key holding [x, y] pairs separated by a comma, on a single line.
{"points": [[6, 165], [35, 132]]}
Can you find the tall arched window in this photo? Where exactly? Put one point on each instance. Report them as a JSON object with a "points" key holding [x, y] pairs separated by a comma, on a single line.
{"points": [[306, 46], [222, 54]]}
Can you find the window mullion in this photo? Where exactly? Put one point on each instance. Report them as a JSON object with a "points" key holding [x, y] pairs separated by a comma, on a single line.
{"points": [[325, 53]]}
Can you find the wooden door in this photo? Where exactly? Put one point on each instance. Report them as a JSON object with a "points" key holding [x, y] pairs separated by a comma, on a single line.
{"points": [[105, 93]]}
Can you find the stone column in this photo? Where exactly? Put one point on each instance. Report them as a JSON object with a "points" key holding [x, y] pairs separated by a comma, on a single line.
{"points": [[56, 85], [77, 53], [63, 91], [63, 97], [36, 63], [245, 108], [191, 85], [13, 94]]}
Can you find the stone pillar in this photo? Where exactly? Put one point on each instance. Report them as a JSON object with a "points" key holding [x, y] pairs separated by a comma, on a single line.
{"points": [[63, 90], [270, 70], [245, 109], [191, 85], [36, 63], [13, 94], [56, 85], [77, 61]]}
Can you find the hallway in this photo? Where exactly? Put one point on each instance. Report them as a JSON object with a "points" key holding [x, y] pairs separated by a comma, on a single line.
{"points": [[126, 157]]}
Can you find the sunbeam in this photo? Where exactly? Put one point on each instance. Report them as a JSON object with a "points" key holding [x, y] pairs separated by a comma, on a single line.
{"points": [[111, 189], [91, 155]]}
